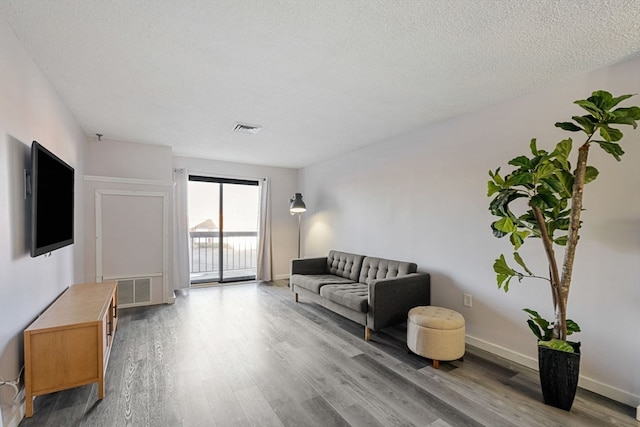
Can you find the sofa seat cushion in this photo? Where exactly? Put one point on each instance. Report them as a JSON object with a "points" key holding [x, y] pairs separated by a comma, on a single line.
{"points": [[313, 282], [352, 295]]}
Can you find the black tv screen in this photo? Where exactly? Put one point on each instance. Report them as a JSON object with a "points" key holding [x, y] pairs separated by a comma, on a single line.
{"points": [[52, 201]]}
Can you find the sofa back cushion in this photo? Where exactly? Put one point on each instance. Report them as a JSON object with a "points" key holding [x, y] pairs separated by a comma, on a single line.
{"points": [[344, 264], [379, 268]]}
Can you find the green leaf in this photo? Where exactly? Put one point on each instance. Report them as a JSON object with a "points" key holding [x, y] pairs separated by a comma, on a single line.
{"points": [[528, 217], [549, 199], [588, 122], [522, 178], [516, 240], [563, 213], [538, 202], [533, 313], [492, 188], [499, 206], [520, 262], [610, 134], [602, 99], [503, 281], [568, 126], [562, 241], [617, 100], [544, 328], [590, 174], [563, 148], [539, 159], [612, 148], [590, 107], [543, 323], [544, 200], [535, 329], [545, 170], [561, 224], [496, 177], [556, 344], [632, 113], [504, 273], [554, 184], [622, 119], [566, 179], [497, 233], [533, 147], [505, 225], [500, 266], [561, 164], [520, 161], [572, 327], [518, 237]]}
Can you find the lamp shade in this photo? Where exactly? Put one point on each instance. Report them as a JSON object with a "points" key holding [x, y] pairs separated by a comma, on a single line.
{"points": [[297, 205]]}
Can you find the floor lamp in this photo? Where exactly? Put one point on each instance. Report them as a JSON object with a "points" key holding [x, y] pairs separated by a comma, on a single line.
{"points": [[296, 207]]}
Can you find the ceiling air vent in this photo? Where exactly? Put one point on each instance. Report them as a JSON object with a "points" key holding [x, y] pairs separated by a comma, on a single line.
{"points": [[241, 127]]}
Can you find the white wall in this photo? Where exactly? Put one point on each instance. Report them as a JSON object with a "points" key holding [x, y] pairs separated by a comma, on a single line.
{"points": [[144, 170], [284, 183], [422, 197], [128, 160], [29, 110]]}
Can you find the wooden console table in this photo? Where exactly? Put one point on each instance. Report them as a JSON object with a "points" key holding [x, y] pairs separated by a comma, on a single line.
{"points": [[69, 344]]}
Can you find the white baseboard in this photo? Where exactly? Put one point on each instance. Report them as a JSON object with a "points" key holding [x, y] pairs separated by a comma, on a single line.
{"points": [[17, 417], [584, 382], [282, 276], [17, 411]]}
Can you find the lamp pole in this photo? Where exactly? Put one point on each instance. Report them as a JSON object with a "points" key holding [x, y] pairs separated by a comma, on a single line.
{"points": [[296, 207], [299, 235]]}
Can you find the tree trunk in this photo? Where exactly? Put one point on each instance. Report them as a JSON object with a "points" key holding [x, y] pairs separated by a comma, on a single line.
{"points": [[560, 327], [554, 278]]}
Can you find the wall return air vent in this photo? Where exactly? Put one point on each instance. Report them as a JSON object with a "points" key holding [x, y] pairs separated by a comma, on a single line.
{"points": [[252, 129], [135, 291]]}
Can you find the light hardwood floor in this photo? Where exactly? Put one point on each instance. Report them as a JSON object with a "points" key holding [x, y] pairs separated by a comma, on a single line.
{"points": [[248, 355]]}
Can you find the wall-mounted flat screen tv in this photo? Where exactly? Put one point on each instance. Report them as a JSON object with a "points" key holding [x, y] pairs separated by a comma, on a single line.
{"points": [[52, 199]]}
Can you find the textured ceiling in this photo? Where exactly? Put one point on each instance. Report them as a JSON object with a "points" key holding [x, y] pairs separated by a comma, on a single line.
{"points": [[322, 77]]}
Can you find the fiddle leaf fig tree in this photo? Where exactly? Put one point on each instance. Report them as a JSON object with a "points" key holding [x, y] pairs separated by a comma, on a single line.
{"points": [[541, 198]]}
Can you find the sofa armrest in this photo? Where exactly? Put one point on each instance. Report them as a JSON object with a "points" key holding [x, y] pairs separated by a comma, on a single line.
{"points": [[391, 299], [308, 266]]}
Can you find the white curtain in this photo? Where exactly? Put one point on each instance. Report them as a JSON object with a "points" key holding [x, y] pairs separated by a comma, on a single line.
{"points": [[181, 277], [265, 268]]}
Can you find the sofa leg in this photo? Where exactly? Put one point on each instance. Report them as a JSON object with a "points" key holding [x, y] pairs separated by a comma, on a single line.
{"points": [[296, 296], [367, 334], [436, 364]]}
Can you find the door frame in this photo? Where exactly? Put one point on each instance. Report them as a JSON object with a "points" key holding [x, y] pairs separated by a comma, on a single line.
{"points": [[221, 181]]}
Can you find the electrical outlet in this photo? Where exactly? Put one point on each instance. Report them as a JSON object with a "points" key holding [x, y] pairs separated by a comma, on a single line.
{"points": [[467, 300]]}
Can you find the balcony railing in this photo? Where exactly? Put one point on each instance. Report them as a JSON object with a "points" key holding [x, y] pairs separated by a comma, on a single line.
{"points": [[239, 254]]}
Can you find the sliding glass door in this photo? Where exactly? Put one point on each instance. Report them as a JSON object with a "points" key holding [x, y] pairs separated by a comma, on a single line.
{"points": [[223, 229]]}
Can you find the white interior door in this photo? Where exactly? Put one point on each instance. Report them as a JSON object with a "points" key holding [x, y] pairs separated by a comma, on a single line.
{"points": [[131, 243]]}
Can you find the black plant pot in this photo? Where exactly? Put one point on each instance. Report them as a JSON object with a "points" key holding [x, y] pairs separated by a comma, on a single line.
{"points": [[559, 372]]}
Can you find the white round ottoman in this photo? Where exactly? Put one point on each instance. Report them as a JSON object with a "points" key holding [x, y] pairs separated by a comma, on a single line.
{"points": [[436, 333]]}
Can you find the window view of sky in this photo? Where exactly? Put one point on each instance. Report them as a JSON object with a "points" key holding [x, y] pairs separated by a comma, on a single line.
{"points": [[241, 204]]}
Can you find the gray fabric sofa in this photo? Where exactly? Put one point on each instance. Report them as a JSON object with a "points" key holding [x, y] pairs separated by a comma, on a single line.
{"points": [[374, 292]]}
